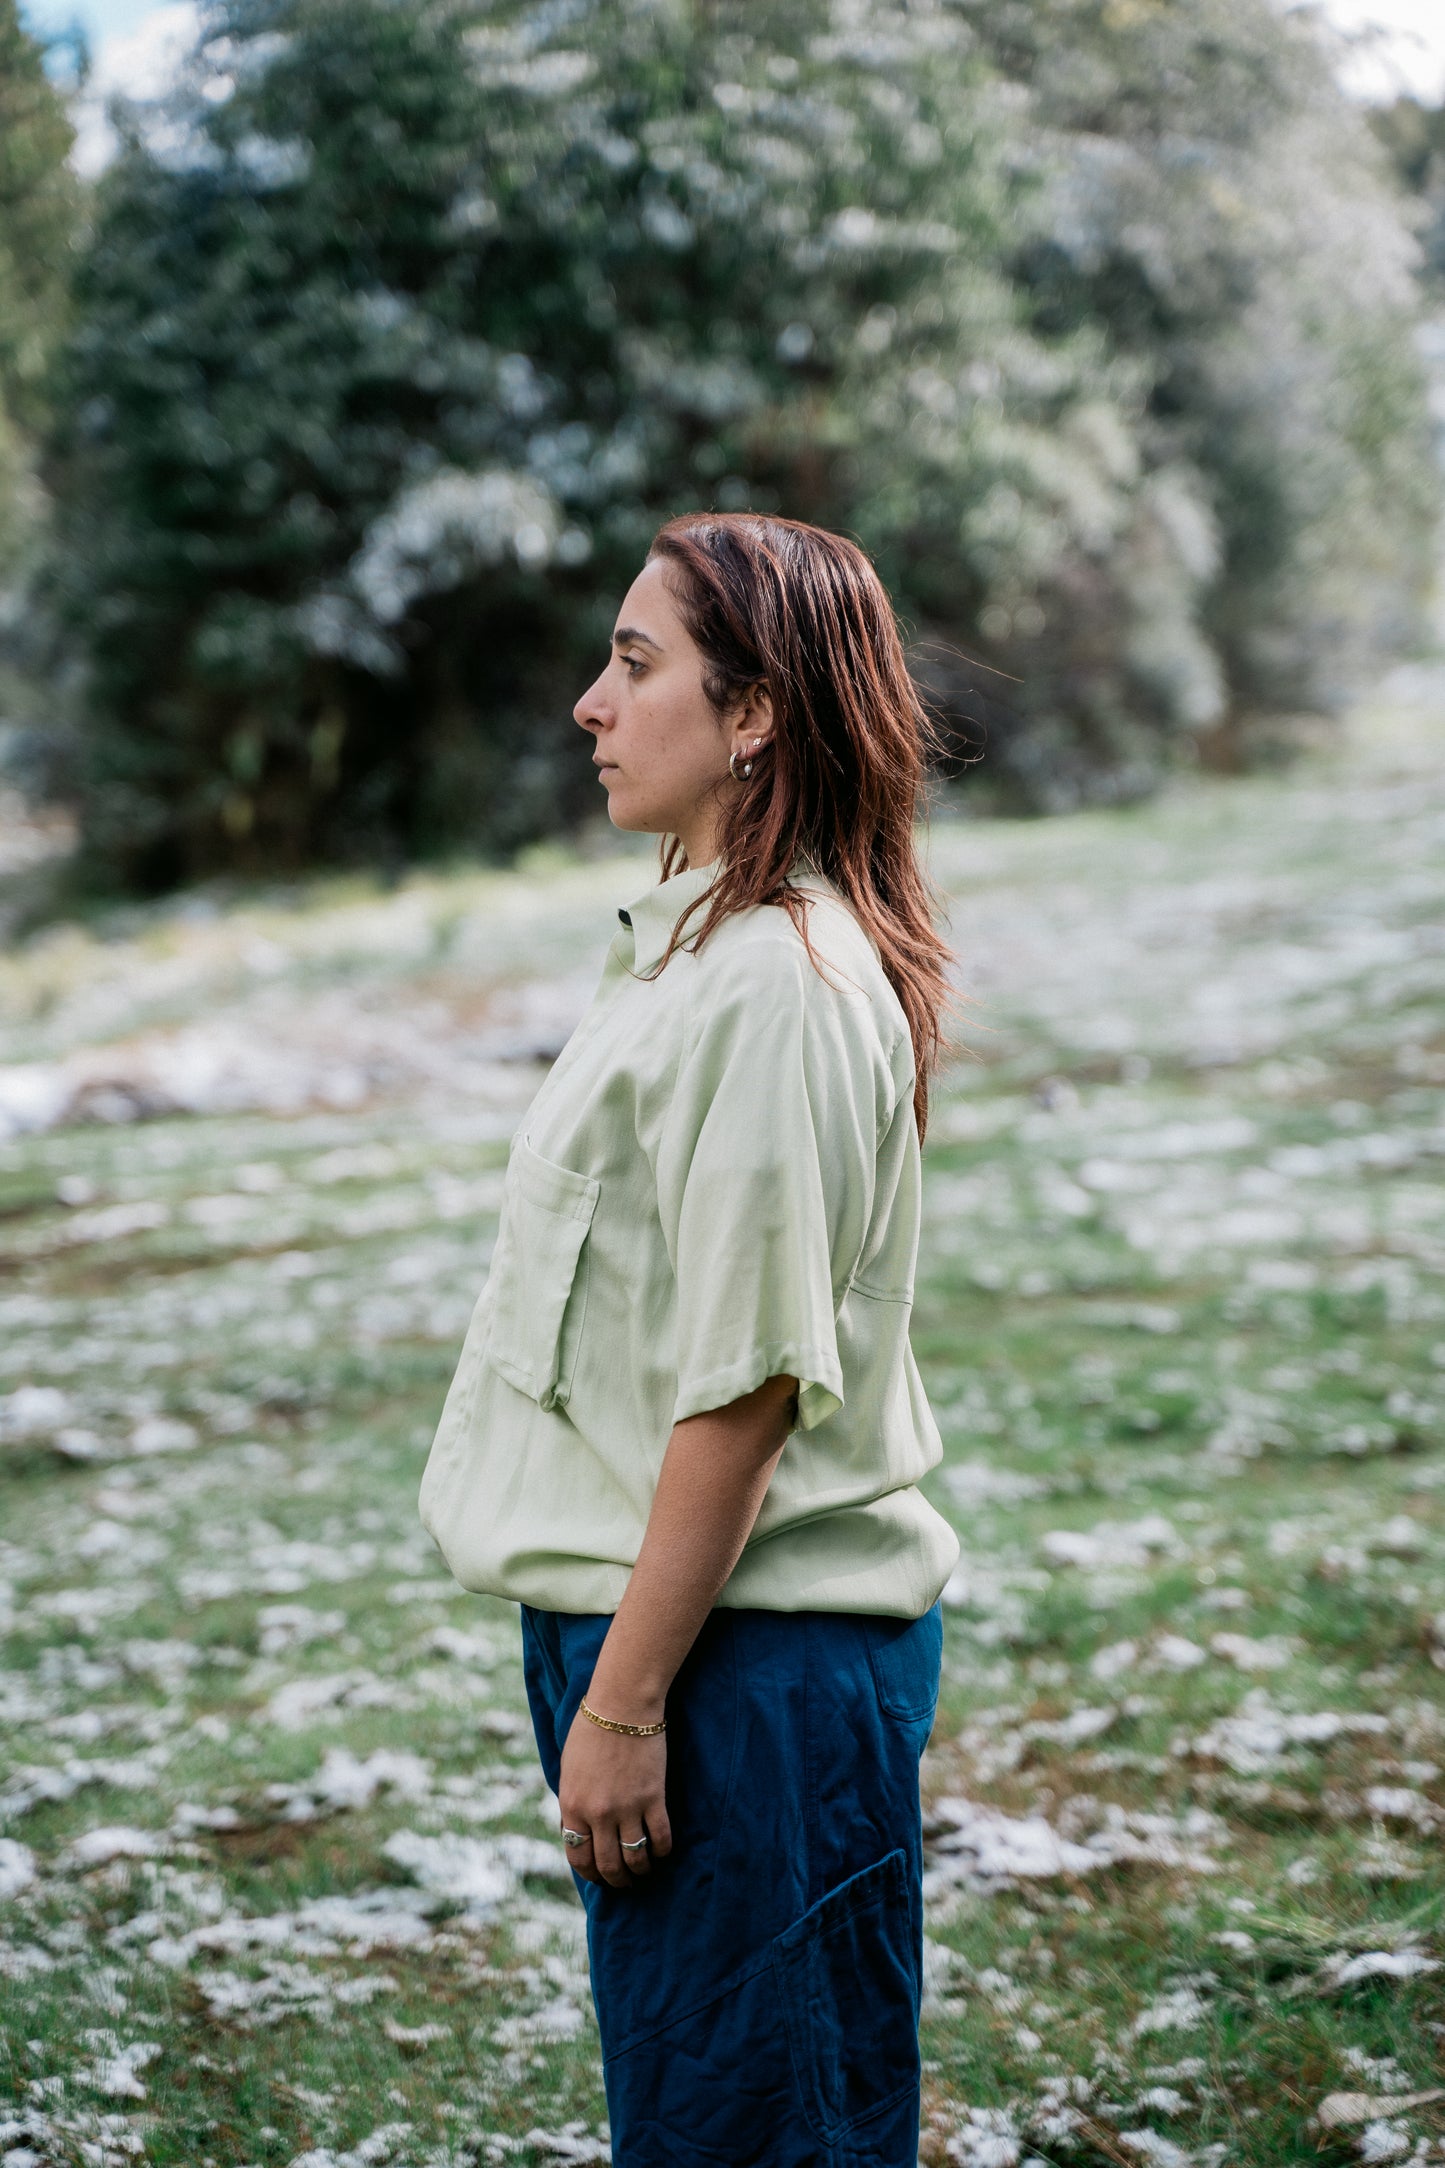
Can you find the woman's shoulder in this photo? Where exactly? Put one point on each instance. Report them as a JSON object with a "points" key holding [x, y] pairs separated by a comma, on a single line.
{"points": [[827, 962]]}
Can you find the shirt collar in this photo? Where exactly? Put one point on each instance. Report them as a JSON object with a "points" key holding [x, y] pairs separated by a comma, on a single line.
{"points": [[655, 913]]}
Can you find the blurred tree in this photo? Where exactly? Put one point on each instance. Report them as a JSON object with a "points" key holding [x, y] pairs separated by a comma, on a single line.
{"points": [[401, 331], [406, 321], [1413, 135], [1214, 204], [38, 204]]}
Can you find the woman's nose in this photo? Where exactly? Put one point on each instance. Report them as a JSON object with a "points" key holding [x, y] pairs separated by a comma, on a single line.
{"points": [[591, 710]]}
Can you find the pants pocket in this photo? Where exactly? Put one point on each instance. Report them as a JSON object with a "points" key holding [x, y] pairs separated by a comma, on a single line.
{"points": [[906, 1656], [848, 1985]]}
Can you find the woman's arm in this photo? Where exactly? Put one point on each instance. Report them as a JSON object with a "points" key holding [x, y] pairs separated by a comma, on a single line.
{"points": [[714, 1475]]}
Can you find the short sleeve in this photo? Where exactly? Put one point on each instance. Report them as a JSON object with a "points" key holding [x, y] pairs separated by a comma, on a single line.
{"points": [[766, 1174]]}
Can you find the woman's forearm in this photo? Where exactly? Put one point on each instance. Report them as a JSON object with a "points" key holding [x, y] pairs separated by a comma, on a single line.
{"points": [[714, 1476]]}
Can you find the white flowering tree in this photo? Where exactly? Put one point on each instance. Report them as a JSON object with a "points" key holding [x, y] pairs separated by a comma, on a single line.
{"points": [[1209, 199], [404, 325]]}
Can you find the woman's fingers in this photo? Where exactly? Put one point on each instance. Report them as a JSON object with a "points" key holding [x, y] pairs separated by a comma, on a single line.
{"points": [[659, 1829], [610, 1858], [621, 1853], [650, 1837], [618, 1853], [579, 1853], [632, 1843], [613, 1787]]}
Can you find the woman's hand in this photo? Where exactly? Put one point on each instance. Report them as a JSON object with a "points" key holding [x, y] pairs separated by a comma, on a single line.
{"points": [[713, 1477], [612, 1788]]}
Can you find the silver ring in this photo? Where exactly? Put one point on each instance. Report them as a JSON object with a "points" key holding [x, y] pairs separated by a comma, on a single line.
{"points": [[635, 1846], [576, 1836]]}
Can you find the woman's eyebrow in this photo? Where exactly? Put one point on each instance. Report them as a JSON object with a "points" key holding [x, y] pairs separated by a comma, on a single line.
{"points": [[625, 635]]}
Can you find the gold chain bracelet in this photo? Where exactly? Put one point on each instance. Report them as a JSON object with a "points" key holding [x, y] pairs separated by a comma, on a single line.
{"points": [[633, 1731]]}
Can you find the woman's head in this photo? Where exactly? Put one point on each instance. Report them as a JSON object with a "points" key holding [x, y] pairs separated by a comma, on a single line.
{"points": [[663, 732], [775, 643]]}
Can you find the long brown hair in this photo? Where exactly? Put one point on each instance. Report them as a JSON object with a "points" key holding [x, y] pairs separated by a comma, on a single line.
{"points": [[838, 782]]}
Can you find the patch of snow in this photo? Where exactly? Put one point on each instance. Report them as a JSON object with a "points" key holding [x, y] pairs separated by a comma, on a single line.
{"points": [[1258, 1736], [355, 1925], [1156, 2151], [1178, 2011], [299, 1703], [1270, 1654], [17, 1868], [987, 2138], [114, 2070], [34, 1411], [1340, 1971], [980, 1483], [1178, 1653], [1112, 1543], [478, 1873], [561, 2019], [984, 1848], [164, 1434], [1384, 2140], [1107, 1663], [573, 2143], [97, 1847]]}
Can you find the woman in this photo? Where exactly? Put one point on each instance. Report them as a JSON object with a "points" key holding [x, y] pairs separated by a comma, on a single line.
{"points": [[687, 1429]]}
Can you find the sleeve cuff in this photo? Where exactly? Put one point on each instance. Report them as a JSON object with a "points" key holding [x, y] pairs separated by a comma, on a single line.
{"points": [[820, 1383]]}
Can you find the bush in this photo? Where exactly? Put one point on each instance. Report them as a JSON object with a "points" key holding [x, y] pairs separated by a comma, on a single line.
{"points": [[1210, 200], [405, 323]]}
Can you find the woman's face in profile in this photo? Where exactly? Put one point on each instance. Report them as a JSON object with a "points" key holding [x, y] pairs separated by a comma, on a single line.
{"points": [[661, 749]]}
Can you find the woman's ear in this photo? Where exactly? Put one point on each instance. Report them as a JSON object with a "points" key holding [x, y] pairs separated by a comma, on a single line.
{"points": [[753, 721]]}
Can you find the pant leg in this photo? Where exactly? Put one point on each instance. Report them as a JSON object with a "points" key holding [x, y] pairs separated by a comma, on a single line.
{"points": [[758, 1995], [558, 1652]]}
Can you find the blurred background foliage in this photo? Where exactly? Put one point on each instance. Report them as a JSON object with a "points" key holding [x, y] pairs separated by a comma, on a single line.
{"points": [[39, 207], [1413, 134], [395, 331]]}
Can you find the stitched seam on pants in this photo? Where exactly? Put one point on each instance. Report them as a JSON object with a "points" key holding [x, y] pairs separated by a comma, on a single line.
{"points": [[556, 1667], [829, 2134], [812, 1812], [794, 2022], [748, 1971]]}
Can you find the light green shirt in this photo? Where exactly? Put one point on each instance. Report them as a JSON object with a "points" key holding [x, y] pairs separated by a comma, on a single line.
{"points": [[717, 1183]]}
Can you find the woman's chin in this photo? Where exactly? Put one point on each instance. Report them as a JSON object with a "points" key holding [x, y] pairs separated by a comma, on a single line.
{"points": [[634, 818]]}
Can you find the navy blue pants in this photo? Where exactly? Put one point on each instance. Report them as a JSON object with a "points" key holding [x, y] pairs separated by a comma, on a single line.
{"points": [[758, 1994]]}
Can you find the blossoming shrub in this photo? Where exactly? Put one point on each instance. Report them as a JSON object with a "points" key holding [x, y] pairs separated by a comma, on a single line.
{"points": [[404, 323]]}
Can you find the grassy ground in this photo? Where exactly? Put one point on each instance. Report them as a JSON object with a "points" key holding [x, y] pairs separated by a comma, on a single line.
{"points": [[279, 1880]]}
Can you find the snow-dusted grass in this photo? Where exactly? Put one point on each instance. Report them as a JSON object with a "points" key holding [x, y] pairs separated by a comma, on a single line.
{"points": [[279, 1881]]}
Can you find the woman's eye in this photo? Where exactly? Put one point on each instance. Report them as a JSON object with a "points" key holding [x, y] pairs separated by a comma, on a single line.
{"points": [[634, 664]]}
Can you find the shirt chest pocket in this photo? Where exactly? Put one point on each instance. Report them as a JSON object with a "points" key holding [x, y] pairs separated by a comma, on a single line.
{"points": [[539, 1275]]}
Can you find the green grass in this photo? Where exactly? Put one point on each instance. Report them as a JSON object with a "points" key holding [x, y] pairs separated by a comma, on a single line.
{"points": [[1181, 1311]]}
